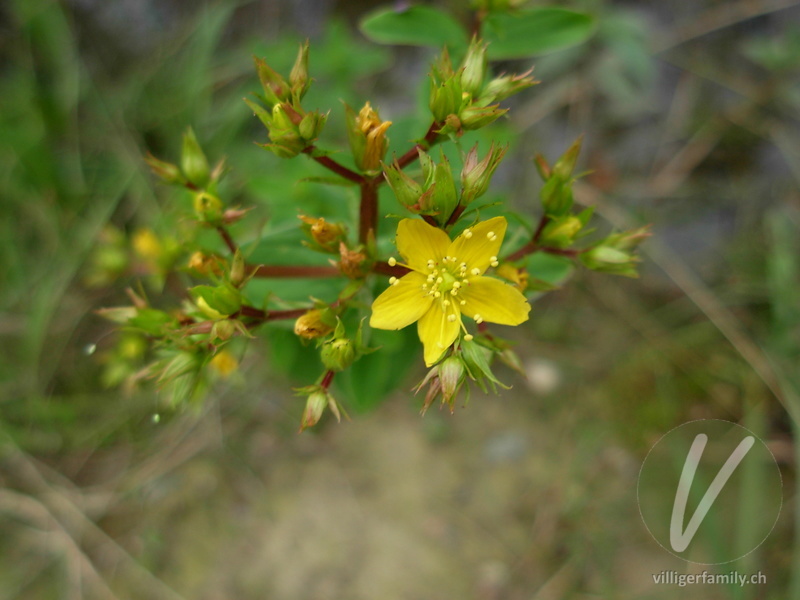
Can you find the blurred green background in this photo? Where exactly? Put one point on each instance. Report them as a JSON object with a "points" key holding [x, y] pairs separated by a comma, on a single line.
{"points": [[690, 117]]}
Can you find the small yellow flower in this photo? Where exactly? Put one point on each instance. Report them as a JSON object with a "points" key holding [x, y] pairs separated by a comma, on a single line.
{"points": [[224, 363], [447, 282]]}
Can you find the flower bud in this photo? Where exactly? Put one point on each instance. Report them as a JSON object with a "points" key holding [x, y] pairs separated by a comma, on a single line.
{"points": [[556, 197], [207, 207], [238, 270], [326, 235], [276, 90], [475, 176], [167, 172], [224, 363], [316, 404], [561, 232], [607, 259], [193, 162], [475, 117], [504, 86], [298, 78], [338, 354], [445, 196], [566, 164], [451, 376], [223, 330], [311, 126], [628, 240], [313, 324], [204, 265], [406, 190], [474, 68], [445, 97], [350, 262]]}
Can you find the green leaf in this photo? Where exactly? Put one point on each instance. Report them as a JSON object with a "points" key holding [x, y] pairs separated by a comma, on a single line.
{"points": [[415, 26], [536, 31], [550, 269]]}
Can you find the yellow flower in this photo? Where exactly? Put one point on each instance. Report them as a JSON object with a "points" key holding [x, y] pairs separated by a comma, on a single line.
{"points": [[447, 281], [224, 363]]}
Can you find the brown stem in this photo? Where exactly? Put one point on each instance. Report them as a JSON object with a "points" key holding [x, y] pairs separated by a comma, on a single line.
{"points": [[368, 210], [456, 214], [533, 245], [226, 237], [413, 154], [272, 315], [288, 271], [327, 380], [334, 166], [385, 268], [430, 220]]}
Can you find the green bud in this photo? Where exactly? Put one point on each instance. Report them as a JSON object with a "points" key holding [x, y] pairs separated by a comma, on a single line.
{"points": [[451, 376], [628, 240], [404, 187], [238, 270], [428, 167], [316, 404], [311, 126], [217, 302], [207, 207], [556, 196], [476, 176], [561, 232], [475, 117], [276, 90], [445, 97], [167, 172], [193, 162], [606, 259], [298, 78], [338, 354], [504, 86], [566, 164], [474, 68], [223, 330]]}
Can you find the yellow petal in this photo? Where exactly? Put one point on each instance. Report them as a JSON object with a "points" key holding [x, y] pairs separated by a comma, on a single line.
{"points": [[437, 331], [484, 243], [419, 242], [494, 301], [400, 304]]}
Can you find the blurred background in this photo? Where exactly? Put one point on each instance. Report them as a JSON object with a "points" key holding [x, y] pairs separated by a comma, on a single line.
{"points": [[689, 111]]}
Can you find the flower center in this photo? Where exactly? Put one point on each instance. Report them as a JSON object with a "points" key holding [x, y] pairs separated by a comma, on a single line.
{"points": [[446, 279]]}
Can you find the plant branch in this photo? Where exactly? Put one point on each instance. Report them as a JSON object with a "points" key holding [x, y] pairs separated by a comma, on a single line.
{"points": [[384, 268], [368, 210], [409, 157], [226, 237], [334, 166], [272, 315], [289, 271]]}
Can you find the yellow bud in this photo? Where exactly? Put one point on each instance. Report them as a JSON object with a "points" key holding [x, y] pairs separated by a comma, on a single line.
{"points": [[146, 244], [224, 363], [311, 325], [323, 233], [204, 264]]}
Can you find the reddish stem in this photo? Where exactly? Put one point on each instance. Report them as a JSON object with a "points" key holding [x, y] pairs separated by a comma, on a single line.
{"points": [[334, 166], [288, 271], [327, 380], [368, 210], [456, 214], [385, 268], [413, 154], [227, 238]]}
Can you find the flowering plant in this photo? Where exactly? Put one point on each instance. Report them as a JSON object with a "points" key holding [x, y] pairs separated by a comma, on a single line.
{"points": [[455, 277]]}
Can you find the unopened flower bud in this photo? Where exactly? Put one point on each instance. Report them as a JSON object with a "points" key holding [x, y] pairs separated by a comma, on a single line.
{"points": [[474, 68], [238, 269], [475, 117], [350, 262], [223, 330], [312, 324], [167, 172], [445, 196], [203, 264], [338, 354], [566, 164], [606, 259], [451, 376], [276, 90], [504, 86], [298, 78], [406, 190], [224, 363], [561, 232], [445, 97], [207, 207], [475, 176], [193, 161], [316, 404]]}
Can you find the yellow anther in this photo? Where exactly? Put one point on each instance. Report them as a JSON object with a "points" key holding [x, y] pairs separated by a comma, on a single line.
{"points": [[467, 233], [492, 236], [451, 318], [476, 271], [468, 337], [478, 319], [437, 294], [445, 302], [392, 280], [392, 261], [463, 302]]}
